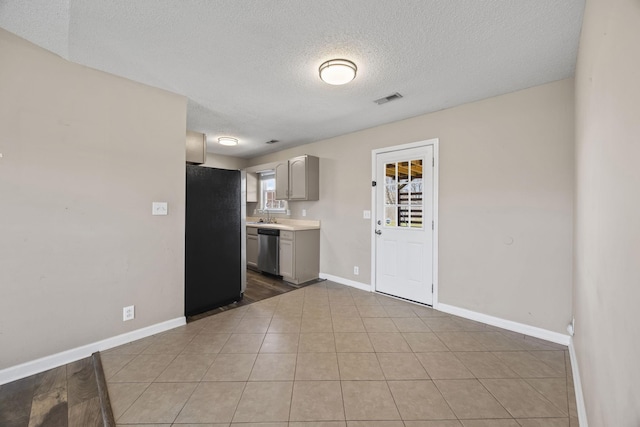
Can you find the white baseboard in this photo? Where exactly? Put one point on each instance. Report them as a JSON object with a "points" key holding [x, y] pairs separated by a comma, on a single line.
{"points": [[521, 328], [347, 282], [577, 385], [53, 361]]}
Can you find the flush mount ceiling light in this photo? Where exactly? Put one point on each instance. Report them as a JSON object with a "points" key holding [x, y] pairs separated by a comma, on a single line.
{"points": [[225, 140], [338, 71]]}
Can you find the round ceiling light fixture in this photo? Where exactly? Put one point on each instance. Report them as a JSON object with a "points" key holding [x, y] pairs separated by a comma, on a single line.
{"points": [[226, 140], [338, 71]]}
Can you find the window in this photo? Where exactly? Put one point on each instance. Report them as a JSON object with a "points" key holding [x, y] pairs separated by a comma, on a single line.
{"points": [[403, 194], [268, 200]]}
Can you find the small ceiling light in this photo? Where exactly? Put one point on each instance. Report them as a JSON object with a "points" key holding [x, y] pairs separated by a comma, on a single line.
{"points": [[338, 71], [225, 140]]}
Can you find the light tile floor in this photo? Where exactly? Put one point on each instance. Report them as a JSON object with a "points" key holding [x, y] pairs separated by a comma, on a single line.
{"points": [[330, 356]]}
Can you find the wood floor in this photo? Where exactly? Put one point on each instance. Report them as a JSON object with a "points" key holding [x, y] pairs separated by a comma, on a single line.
{"points": [[259, 286], [64, 396]]}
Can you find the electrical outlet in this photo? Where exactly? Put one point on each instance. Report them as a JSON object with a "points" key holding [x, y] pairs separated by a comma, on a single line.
{"points": [[304, 212], [356, 270], [128, 313], [571, 328]]}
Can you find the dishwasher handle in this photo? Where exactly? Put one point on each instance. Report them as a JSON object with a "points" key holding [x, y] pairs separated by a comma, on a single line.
{"points": [[269, 231]]}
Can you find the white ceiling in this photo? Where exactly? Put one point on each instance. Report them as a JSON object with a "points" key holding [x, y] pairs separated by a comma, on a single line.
{"points": [[250, 67]]}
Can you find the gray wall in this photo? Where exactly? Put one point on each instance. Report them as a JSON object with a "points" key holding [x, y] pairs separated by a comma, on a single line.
{"points": [[607, 262], [84, 155], [506, 171]]}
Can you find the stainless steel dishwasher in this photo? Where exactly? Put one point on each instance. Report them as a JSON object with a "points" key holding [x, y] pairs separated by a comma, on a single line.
{"points": [[269, 250]]}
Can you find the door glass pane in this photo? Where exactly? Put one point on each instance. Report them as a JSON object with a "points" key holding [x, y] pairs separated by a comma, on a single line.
{"points": [[390, 195], [404, 218], [416, 217], [390, 219], [403, 171], [404, 189], [390, 173], [416, 193], [416, 182]]}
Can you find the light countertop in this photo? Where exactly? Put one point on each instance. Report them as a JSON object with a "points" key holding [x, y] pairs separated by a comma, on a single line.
{"points": [[286, 224]]}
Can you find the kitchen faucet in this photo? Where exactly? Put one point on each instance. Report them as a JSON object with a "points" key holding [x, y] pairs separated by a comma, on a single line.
{"points": [[269, 219]]}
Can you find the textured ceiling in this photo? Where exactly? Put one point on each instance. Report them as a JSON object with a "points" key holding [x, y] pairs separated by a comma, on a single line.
{"points": [[250, 68]]}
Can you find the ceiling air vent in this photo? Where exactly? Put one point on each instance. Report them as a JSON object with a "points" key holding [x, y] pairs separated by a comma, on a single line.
{"points": [[386, 99], [272, 141]]}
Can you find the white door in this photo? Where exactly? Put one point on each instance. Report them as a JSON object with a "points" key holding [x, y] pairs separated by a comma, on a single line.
{"points": [[404, 223]]}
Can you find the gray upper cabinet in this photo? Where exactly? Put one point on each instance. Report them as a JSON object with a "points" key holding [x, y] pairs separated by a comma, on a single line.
{"points": [[196, 145], [282, 180], [304, 178], [296, 179], [253, 187]]}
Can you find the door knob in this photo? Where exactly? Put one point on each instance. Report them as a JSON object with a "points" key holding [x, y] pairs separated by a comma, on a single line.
{"points": [[378, 232]]}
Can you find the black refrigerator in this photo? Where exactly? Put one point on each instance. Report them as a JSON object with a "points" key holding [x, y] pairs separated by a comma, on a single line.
{"points": [[213, 236]]}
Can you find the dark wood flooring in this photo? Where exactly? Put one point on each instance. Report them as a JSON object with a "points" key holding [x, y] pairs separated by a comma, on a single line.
{"points": [[259, 286], [61, 397]]}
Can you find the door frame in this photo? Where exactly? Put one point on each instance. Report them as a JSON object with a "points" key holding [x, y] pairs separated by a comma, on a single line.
{"points": [[435, 142]]}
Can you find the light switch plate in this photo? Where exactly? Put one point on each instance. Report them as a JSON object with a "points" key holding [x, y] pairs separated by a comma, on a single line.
{"points": [[304, 212], [366, 214], [159, 208]]}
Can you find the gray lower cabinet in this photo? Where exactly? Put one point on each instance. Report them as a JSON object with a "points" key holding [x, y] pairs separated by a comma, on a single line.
{"points": [[252, 247], [299, 255]]}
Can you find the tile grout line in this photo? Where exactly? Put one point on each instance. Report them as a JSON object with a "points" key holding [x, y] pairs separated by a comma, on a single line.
{"points": [[295, 367], [492, 395], [522, 378], [135, 400], [235, 411]]}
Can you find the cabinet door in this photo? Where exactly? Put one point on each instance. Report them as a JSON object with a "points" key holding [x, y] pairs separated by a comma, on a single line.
{"points": [[286, 259], [298, 178], [282, 181], [252, 251], [252, 187]]}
